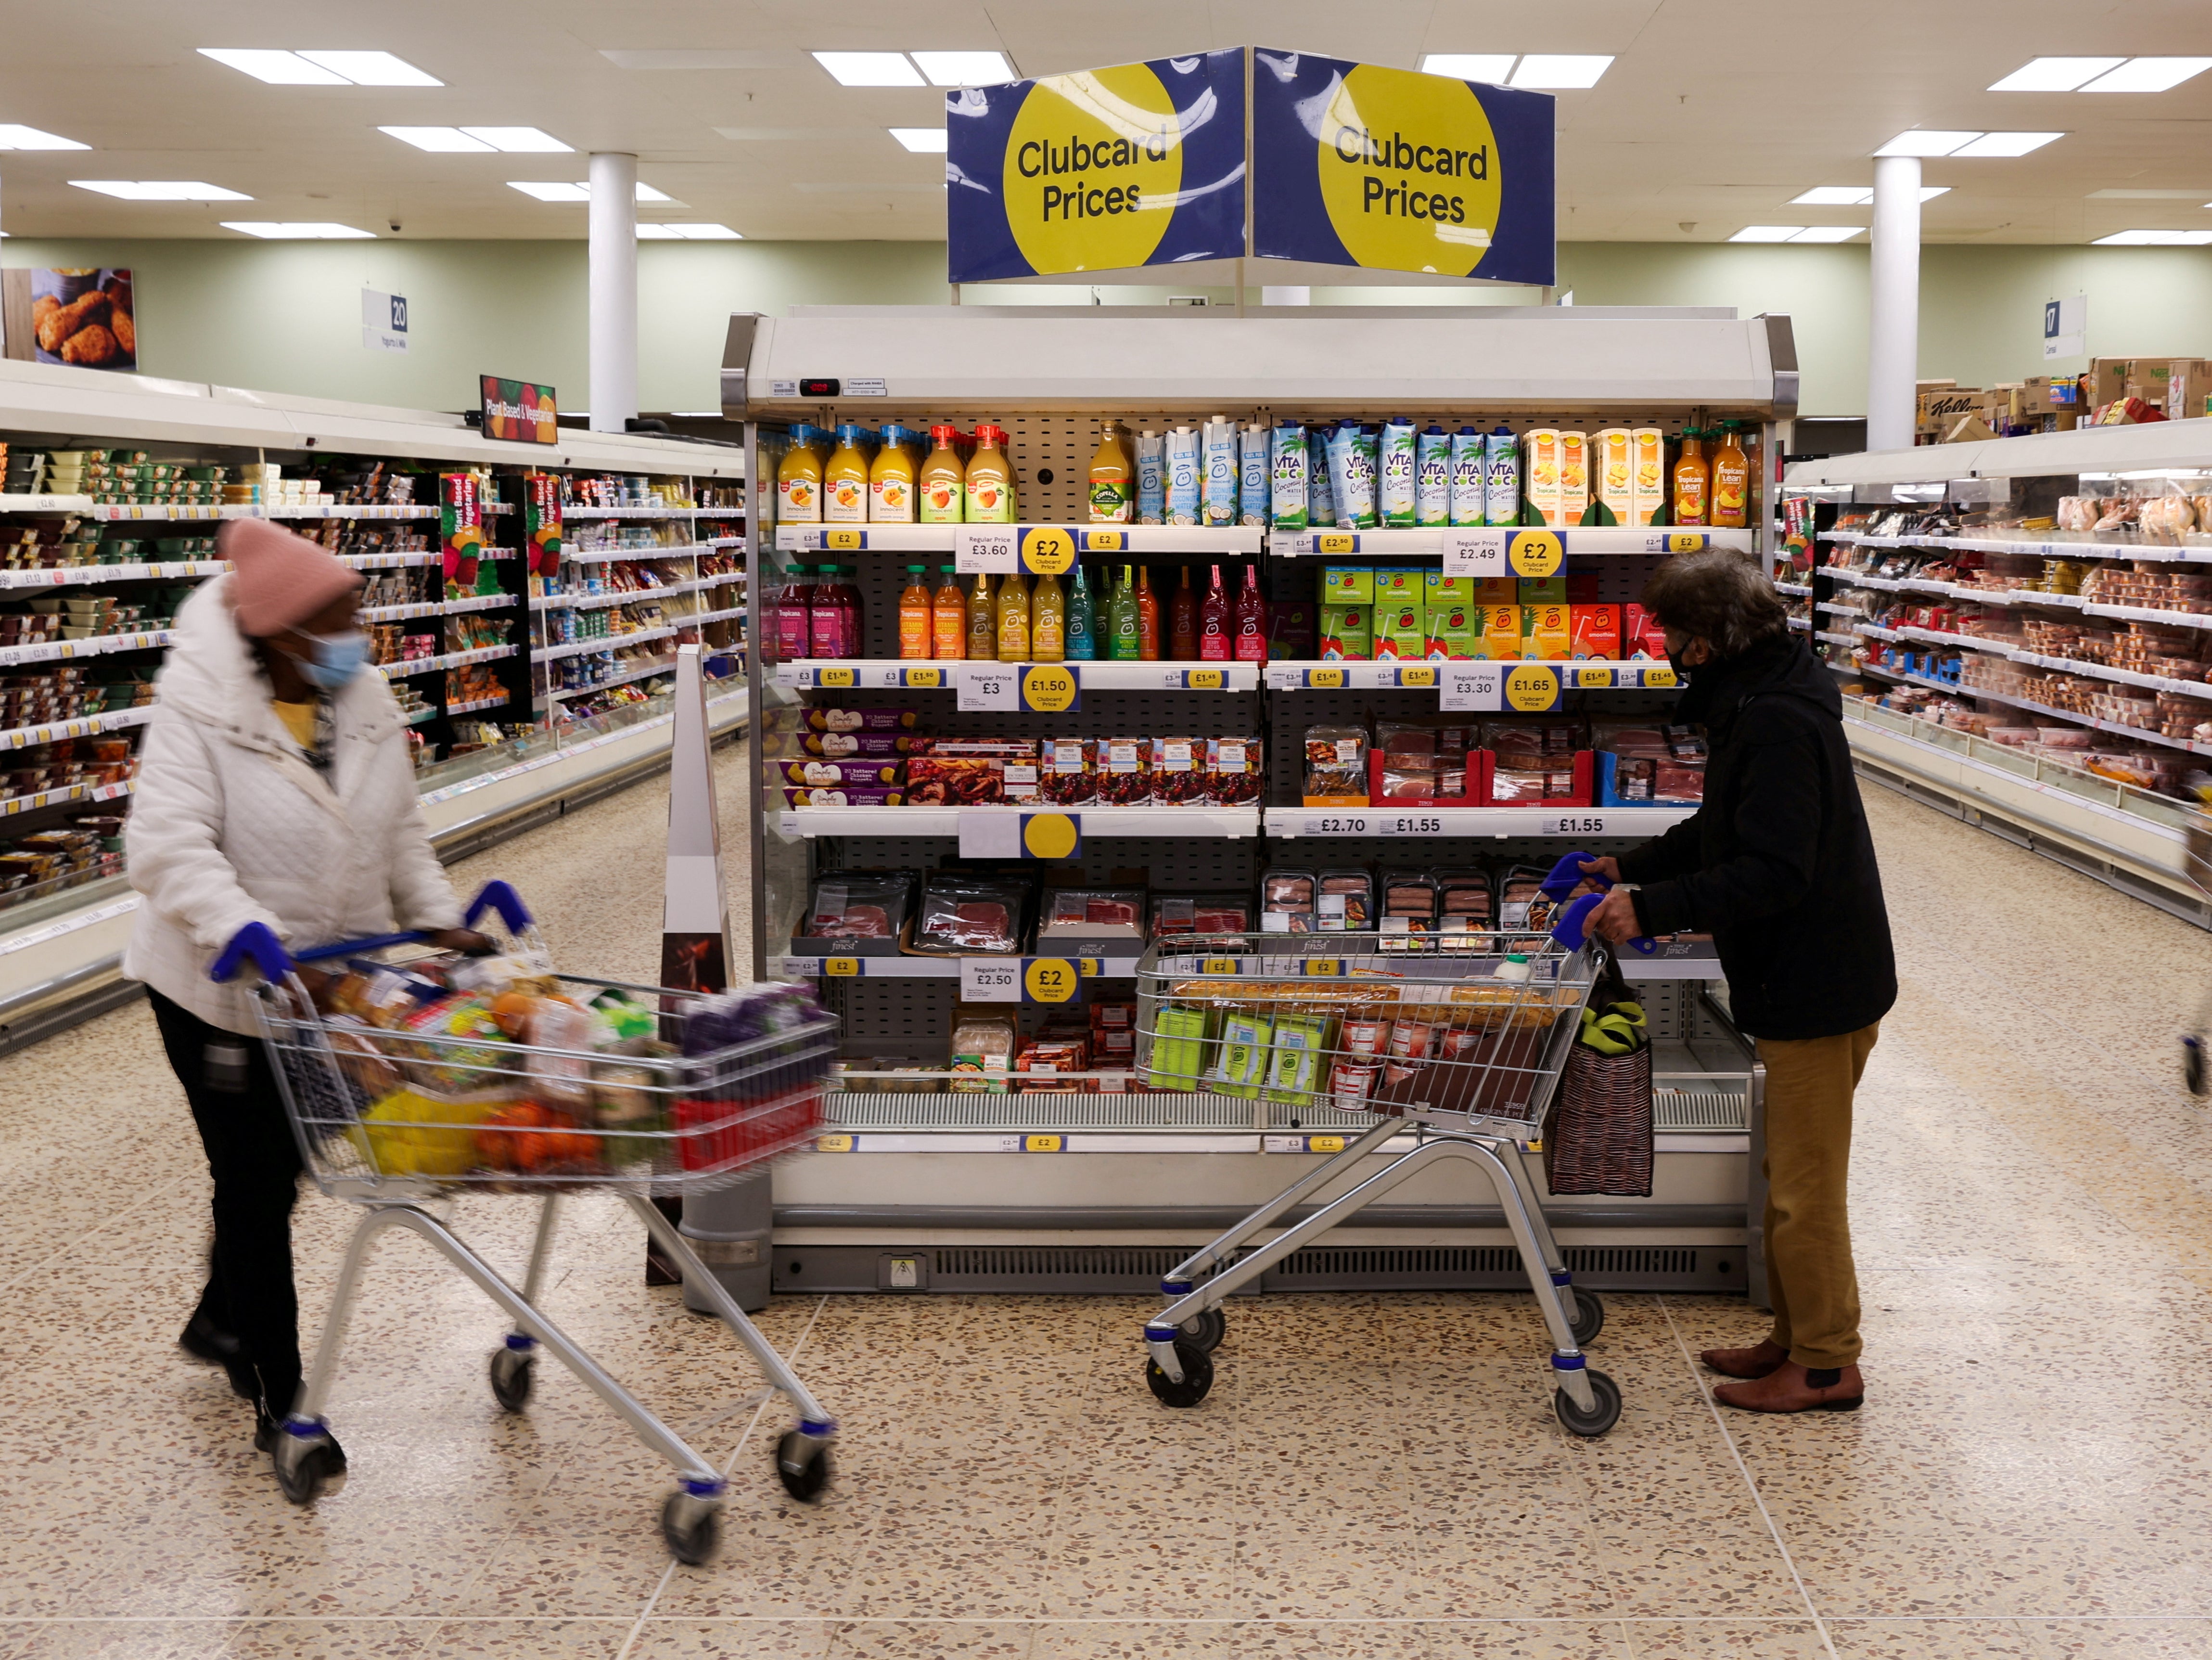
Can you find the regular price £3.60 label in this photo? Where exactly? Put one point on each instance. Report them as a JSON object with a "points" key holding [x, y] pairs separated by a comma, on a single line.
{"points": [[979, 550]]}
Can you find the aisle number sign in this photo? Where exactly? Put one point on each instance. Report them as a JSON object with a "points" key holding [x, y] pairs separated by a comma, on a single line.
{"points": [[1504, 552]]}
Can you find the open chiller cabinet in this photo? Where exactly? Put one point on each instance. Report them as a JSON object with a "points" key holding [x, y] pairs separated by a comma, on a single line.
{"points": [[1104, 1191]]}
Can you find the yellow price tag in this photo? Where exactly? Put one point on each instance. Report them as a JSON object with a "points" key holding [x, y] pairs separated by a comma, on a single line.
{"points": [[1049, 688], [925, 677], [1322, 968], [1324, 1144], [1324, 679], [1107, 541], [1655, 679], [846, 541], [1203, 680], [1042, 1143], [1048, 979], [1417, 675], [1219, 965], [1594, 676], [1047, 550], [1686, 541], [833, 677], [1531, 687], [1050, 835], [833, 1144], [841, 968], [1534, 552], [1336, 542]]}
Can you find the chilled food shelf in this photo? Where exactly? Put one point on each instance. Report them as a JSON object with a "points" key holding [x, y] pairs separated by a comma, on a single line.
{"points": [[2038, 659], [630, 597], [1952, 688], [82, 726], [626, 555], [606, 642], [1796, 590], [422, 716], [1835, 639], [643, 671], [1424, 823], [1432, 543], [571, 510], [110, 512], [66, 793], [1801, 625], [57, 576], [477, 706], [836, 967], [977, 825], [894, 674], [1435, 675], [2196, 551], [452, 660], [437, 608], [703, 618], [1124, 541], [98, 645]]}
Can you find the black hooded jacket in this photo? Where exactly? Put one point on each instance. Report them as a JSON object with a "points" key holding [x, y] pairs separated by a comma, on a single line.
{"points": [[1777, 864]]}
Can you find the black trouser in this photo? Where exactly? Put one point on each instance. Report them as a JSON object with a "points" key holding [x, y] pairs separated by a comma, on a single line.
{"points": [[255, 1161]]}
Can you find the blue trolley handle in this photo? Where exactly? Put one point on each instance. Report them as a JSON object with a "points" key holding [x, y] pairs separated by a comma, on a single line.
{"points": [[1570, 930], [256, 942], [501, 898]]}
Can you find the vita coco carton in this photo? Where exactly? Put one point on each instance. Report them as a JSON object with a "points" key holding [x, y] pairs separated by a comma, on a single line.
{"points": [[1650, 483], [1574, 477], [1347, 634], [1539, 463], [1616, 473], [1348, 584]]}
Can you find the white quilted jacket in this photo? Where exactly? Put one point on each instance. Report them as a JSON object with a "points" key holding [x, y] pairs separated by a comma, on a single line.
{"points": [[230, 825]]}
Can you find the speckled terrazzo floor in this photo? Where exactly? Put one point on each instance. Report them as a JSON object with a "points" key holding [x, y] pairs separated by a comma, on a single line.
{"points": [[1372, 1476]]}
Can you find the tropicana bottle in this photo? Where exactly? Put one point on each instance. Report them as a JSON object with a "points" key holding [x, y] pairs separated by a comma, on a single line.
{"points": [[1692, 480], [948, 617], [1731, 494], [915, 622]]}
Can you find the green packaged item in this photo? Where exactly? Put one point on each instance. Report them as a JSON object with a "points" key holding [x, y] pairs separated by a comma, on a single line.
{"points": [[1294, 1065], [1348, 584], [1180, 1037], [1240, 1065], [1543, 590]]}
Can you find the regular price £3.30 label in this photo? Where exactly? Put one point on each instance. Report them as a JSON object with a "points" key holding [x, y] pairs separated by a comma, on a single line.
{"points": [[1474, 686]]}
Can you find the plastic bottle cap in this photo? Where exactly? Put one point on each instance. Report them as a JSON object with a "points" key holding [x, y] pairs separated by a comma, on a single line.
{"points": [[917, 570], [1515, 957]]}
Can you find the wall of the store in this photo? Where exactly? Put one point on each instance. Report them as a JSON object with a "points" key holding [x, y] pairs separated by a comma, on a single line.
{"points": [[286, 315]]}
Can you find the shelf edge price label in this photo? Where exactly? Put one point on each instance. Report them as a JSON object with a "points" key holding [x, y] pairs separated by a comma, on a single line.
{"points": [[1220, 965], [990, 980], [1051, 688], [1051, 835], [1587, 677], [1660, 678], [925, 677], [1417, 674], [1203, 680], [1410, 824], [1342, 824], [1680, 541], [1335, 542], [841, 968], [833, 677], [1531, 688], [985, 551], [833, 1144], [1474, 686], [1586, 823], [987, 687], [1050, 979], [844, 541], [1324, 679], [1474, 553], [1535, 552], [1105, 541], [1048, 550]]}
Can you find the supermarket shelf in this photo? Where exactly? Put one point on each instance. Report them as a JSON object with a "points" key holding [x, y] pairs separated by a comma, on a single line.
{"points": [[421, 716], [1835, 610], [644, 671], [437, 608], [891, 674], [57, 576], [98, 645], [45, 503], [633, 555], [2082, 603], [1800, 590], [395, 560], [1835, 639], [1953, 689], [701, 618], [2058, 665], [2196, 551], [114, 511], [924, 968], [477, 705], [596, 601], [1800, 624], [83, 726], [1133, 541], [1204, 822], [570, 510], [68, 793], [607, 642], [452, 660], [1430, 821], [1573, 539], [1579, 675]]}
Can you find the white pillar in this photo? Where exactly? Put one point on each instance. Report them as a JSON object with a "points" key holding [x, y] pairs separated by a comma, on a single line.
{"points": [[1893, 332], [1285, 296], [614, 291]]}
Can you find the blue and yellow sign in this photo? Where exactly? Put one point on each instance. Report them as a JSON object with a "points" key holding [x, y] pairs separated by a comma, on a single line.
{"points": [[1394, 170], [1138, 164]]}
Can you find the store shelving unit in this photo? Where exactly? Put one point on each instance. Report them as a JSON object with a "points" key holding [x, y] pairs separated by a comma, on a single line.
{"points": [[932, 1187], [1979, 501]]}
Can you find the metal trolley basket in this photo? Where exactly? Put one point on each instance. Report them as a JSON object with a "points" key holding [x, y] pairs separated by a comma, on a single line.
{"points": [[393, 1119], [1460, 1039]]}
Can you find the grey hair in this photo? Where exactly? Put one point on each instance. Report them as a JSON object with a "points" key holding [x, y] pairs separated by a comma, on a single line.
{"points": [[1719, 597]]}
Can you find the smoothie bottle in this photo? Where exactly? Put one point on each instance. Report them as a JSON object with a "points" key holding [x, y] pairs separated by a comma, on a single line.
{"points": [[1014, 617], [916, 621], [1182, 621], [1148, 617], [948, 617], [1249, 614], [1082, 619], [1124, 632], [1214, 622], [1049, 622], [944, 479], [982, 622]]}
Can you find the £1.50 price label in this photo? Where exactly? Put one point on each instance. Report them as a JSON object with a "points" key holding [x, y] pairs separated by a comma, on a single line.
{"points": [[1051, 688]]}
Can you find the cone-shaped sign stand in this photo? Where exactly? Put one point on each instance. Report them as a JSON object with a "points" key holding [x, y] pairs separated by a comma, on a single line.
{"points": [[694, 922]]}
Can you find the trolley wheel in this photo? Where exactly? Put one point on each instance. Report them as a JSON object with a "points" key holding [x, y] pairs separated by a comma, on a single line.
{"points": [[511, 1372], [692, 1526], [1197, 1376], [1587, 1318], [1204, 1329], [1606, 1412], [2192, 1065], [302, 1478], [802, 1464]]}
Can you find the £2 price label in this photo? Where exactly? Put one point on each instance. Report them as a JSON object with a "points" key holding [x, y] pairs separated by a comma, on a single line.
{"points": [[1048, 550], [1535, 552]]}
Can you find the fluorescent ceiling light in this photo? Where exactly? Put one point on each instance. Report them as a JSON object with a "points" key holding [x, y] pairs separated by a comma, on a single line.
{"points": [[922, 141], [1926, 142], [562, 190], [518, 140], [1492, 67], [1565, 72], [1829, 234], [2154, 239], [2056, 74], [2003, 143], [869, 68], [962, 69], [278, 68], [2149, 75], [695, 233], [372, 69], [440, 139], [160, 190], [477, 140], [1852, 196], [658, 234], [296, 230], [15, 137], [1767, 233]]}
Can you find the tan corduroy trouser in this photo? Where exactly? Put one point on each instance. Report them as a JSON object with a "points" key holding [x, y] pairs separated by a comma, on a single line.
{"points": [[1810, 1279]]}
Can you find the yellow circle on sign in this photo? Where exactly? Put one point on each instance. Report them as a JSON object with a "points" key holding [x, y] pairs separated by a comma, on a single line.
{"points": [[1534, 552], [1048, 687], [1049, 834], [1093, 167], [1047, 552], [1409, 171], [1686, 542], [1531, 687], [1049, 980]]}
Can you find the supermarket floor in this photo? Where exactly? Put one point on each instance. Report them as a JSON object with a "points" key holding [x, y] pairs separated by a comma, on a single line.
{"points": [[1372, 1476]]}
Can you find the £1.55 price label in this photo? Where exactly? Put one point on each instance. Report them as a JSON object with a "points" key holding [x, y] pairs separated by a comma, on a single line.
{"points": [[1406, 823], [1578, 823]]}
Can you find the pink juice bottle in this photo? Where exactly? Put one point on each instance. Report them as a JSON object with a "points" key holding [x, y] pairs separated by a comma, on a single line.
{"points": [[1251, 618], [1214, 622], [793, 601], [828, 618]]}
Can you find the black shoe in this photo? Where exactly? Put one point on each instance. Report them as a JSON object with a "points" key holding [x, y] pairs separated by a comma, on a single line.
{"points": [[203, 1340], [267, 1429]]}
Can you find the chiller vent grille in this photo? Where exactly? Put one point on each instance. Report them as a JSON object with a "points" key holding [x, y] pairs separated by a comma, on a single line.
{"points": [[1423, 1260], [1141, 1266], [1700, 1109], [1634, 1259], [1475, 1267]]}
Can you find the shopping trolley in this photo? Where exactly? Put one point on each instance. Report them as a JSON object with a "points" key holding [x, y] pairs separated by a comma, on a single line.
{"points": [[1458, 1039], [425, 1096]]}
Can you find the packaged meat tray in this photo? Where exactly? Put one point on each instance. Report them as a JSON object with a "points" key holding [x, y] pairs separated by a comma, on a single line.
{"points": [[857, 913], [1234, 765], [1336, 766], [835, 773], [1179, 775], [1286, 901], [1070, 771], [1344, 902], [1175, 914], [967, 914], [973, 781], [836, 719], [843, 795], [1125, 772], [1075, 914]]}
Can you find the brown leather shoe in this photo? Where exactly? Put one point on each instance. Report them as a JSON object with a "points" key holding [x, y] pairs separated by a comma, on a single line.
{"points": [[1790, 1388], [1756, 1361]]}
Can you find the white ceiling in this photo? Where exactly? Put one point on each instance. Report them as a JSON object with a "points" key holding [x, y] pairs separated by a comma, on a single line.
{"points": [[1715, 113]]}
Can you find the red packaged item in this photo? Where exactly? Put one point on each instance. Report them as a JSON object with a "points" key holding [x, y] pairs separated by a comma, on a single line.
{"points": [[964, 914], [937, 781], [1179, 774], [1125, 772], [1071, 771], [1641, 637], [1093, 913], [1233, 765], [1594, 631], [1176, 914]]}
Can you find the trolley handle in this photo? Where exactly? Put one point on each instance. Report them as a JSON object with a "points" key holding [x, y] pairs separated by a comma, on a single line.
{"points": [[256, 942], [1566, 876]]}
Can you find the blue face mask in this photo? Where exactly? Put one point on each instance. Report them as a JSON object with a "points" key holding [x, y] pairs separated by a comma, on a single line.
{"points": [[336, 658]]}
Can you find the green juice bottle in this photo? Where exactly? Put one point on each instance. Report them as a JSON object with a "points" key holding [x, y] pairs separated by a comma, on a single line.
{"points": [[1082, 624], [1125, 636]]}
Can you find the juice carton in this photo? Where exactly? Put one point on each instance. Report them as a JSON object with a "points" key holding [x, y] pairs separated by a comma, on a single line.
{"points": [[1581, 588], [1497, 591], [1595, 631], [1640, 635], [1574, 477], [1540, 465], [1649, 483], [1455, 630], [1439, 589], [1402, 630], [1547, 636], [1616, 473], [1348, 584], [1501, 633], [1542, 590], [1347, 633], [1240, 1065], [1398, 584]]}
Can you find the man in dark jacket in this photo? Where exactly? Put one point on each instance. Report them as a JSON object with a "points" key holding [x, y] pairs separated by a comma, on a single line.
{"points": [[1777, 864]]}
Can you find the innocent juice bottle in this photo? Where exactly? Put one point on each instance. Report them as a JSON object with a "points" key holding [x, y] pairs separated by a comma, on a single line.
{"points": [[1692, 480], [1113, 491], [1731, 478], [1249, 615], [1048, 622], [845, 480], [1214, 622], [891, 481], [982, 622], [798, 482], [948, 617], [914, 619], [944, 479], [1148, 617], [1082, 619], [1124, 628], [1013, 618], [1182, 621], [990, 483]]}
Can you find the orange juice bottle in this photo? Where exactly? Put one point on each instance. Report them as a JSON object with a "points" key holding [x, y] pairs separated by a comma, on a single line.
{"points": [[948, 617], [845, 480], [944, 479], [914, 619], [798, 481], [1731, 479], [890, 481], [1692, 480], [1014, 617], [990, 484], [1113, 486]]}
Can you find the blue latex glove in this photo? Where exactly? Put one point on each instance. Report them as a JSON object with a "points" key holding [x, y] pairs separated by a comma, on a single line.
{"points": [[1566, 876]]}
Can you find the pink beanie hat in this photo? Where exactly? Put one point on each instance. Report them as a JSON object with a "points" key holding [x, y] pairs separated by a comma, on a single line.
{"points": [[280, 580]]}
